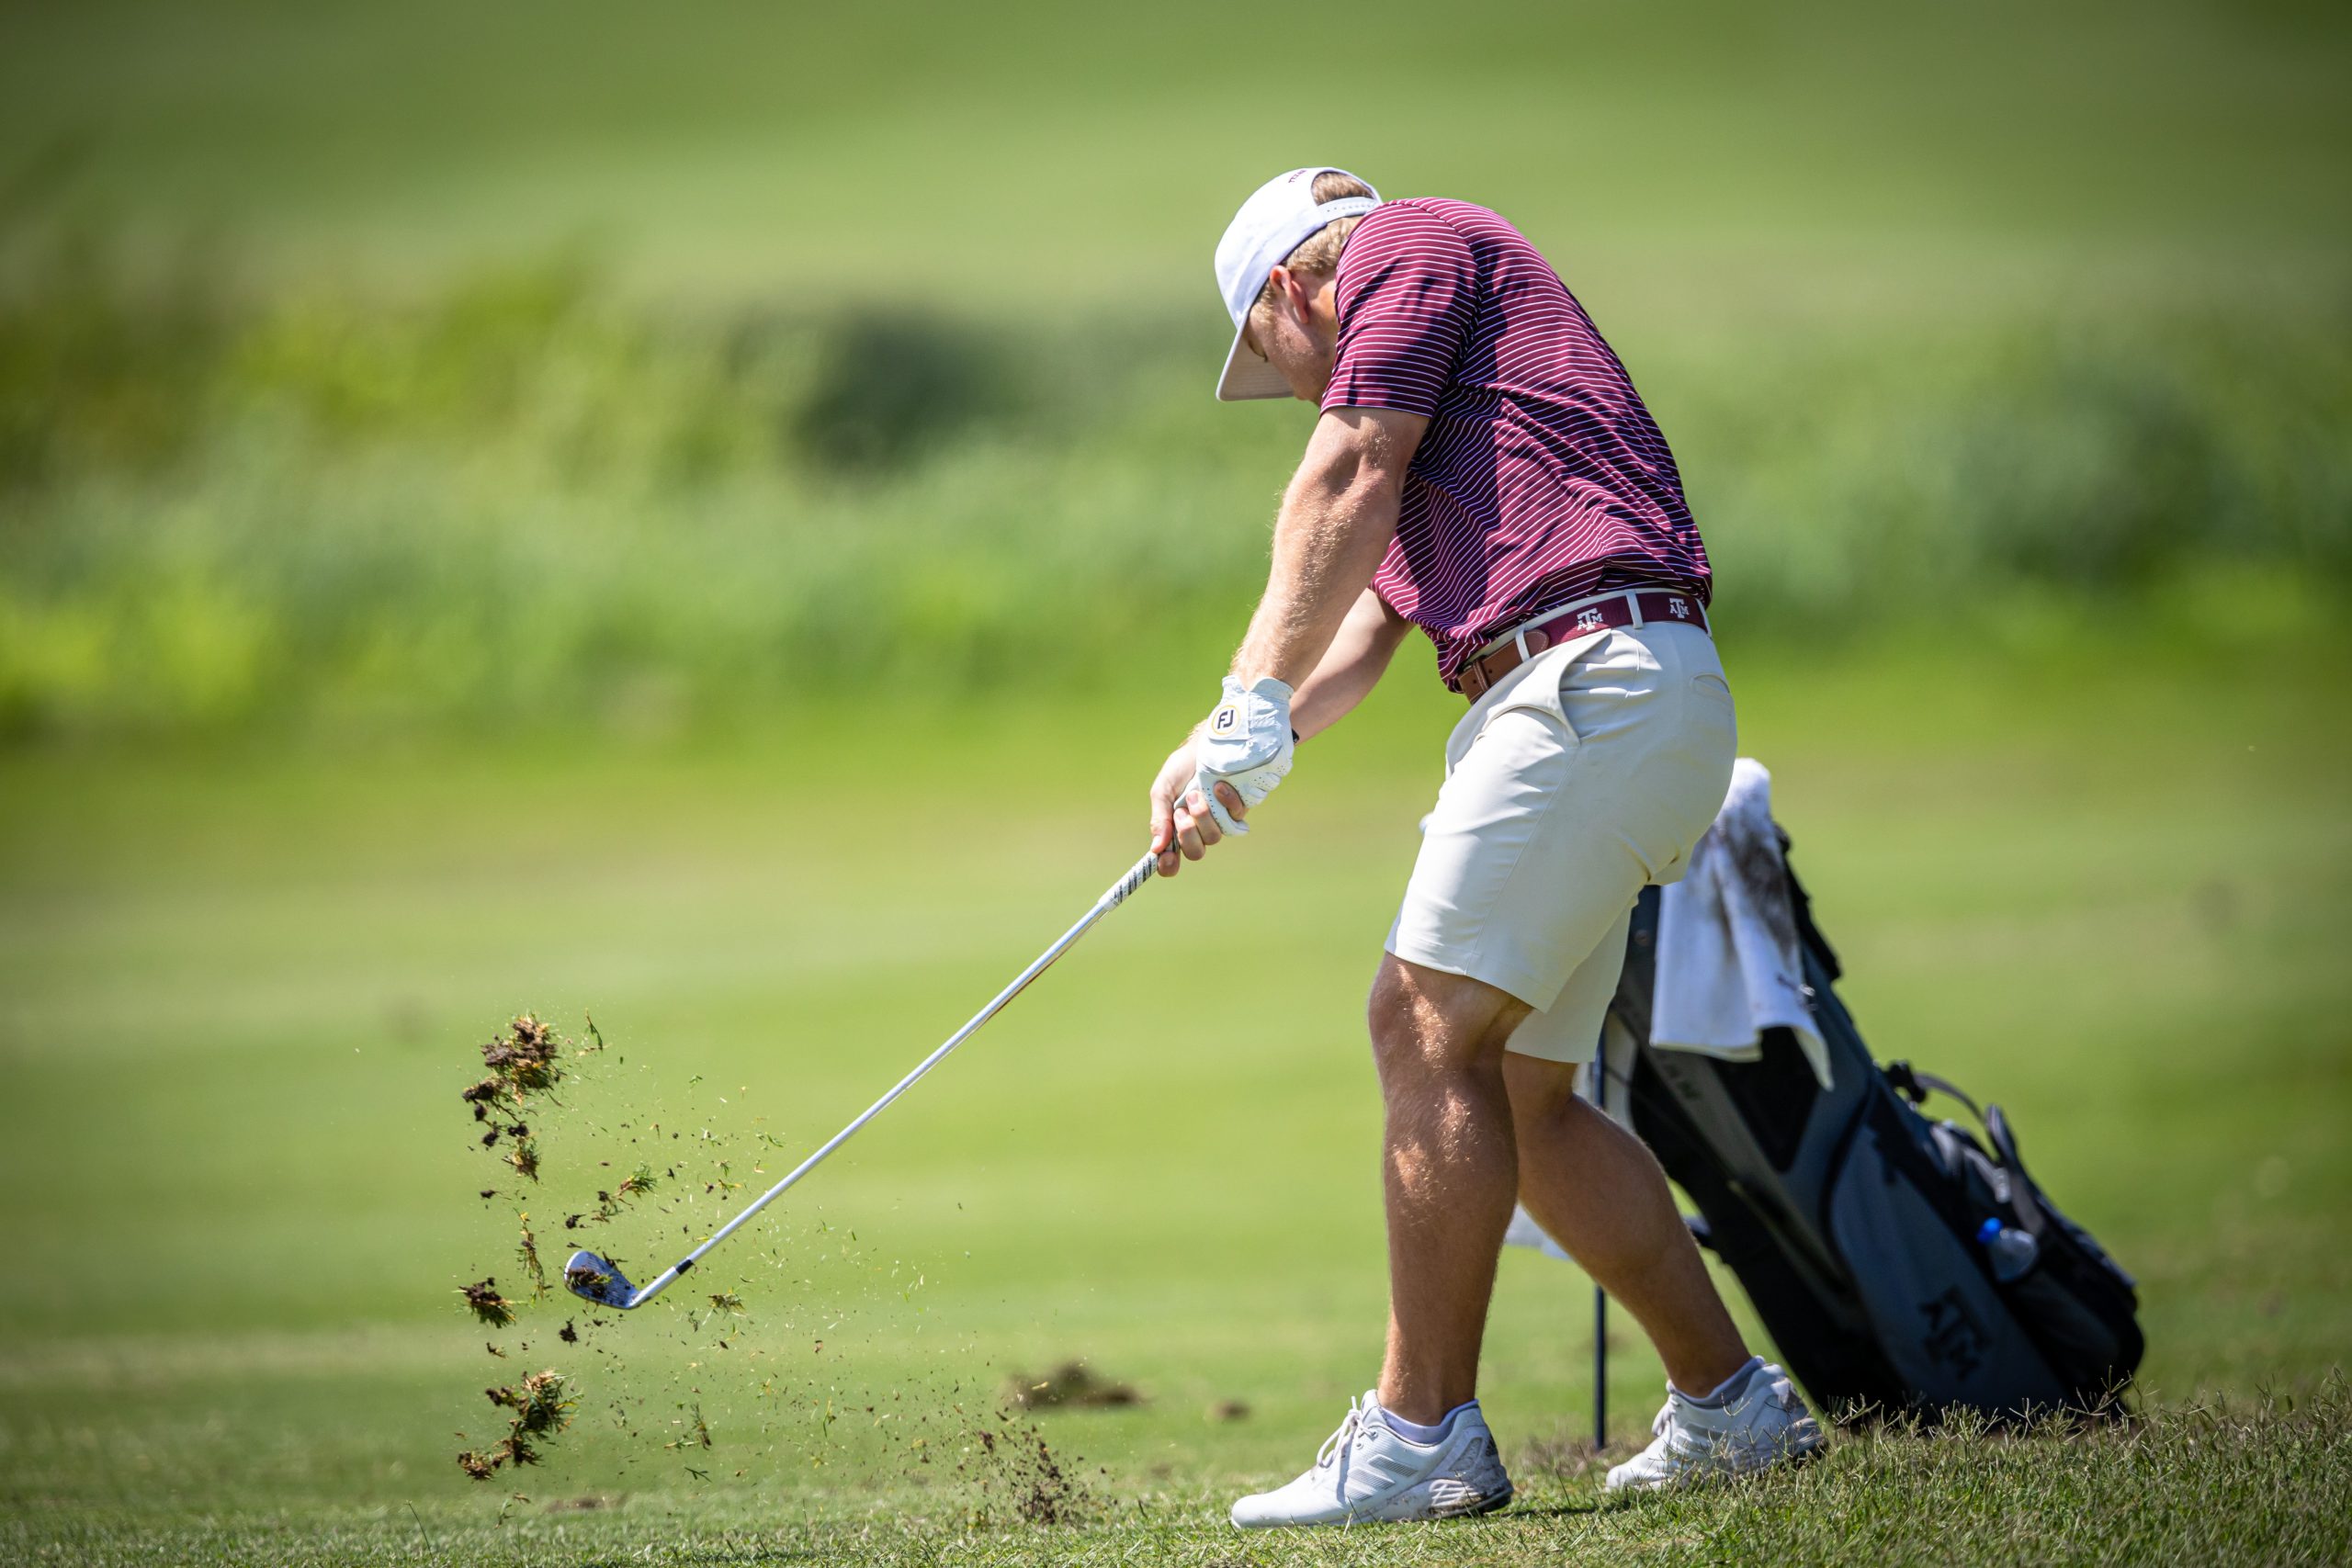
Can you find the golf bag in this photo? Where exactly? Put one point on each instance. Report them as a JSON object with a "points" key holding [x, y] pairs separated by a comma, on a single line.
{"points": [[1864, 1233]]}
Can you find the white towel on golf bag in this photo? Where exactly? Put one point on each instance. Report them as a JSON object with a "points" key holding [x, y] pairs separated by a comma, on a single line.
{"points": [[1728, 965]]}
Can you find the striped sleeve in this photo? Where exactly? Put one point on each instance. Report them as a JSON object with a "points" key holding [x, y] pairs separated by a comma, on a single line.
{"points": [[1407, 294]]}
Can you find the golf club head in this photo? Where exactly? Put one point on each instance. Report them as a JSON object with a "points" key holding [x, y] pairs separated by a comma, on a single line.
{"points": [[592, 1279]]}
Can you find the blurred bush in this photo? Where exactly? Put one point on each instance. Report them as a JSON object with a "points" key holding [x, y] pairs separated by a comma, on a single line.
{"points": [[526, 500]]}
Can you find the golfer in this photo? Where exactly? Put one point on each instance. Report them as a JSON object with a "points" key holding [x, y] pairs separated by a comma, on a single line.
{"points": [[1483, 470]]}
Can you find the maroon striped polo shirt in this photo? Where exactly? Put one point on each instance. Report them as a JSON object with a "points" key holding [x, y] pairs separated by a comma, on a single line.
{"points": [[1542, 480]]}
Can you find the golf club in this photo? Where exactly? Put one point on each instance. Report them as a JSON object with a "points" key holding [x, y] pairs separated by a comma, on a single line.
{"points": [[594, 1279]]}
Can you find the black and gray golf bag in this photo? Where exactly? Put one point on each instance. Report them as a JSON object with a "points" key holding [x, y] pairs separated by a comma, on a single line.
{"points": [[1899, 1264]]}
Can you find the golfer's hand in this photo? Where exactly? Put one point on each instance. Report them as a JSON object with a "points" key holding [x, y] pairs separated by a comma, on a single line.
{"points": [[1181, 823], [1247, 742]]}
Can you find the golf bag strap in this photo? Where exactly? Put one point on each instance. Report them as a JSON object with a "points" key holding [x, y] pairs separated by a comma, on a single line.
{"points": [[1915, 1086]]}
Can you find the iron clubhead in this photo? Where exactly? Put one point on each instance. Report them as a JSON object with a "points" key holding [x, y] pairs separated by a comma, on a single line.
{"points": [[592, 1279]]}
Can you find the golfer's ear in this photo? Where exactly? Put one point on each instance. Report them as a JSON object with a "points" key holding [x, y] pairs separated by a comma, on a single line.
{"points": [[1287, 281]]}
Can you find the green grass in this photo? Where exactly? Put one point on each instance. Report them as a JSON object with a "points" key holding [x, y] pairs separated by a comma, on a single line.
{"points": [[2101, 880], [2259, 1484]]}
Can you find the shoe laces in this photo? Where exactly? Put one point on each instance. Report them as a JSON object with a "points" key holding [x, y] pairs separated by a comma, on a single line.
{"points": [[1336, 1445]]}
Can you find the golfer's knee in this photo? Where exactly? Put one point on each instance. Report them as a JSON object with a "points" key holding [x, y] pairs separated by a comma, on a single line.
{"points": [[1542, 1093], [1390, 1018], [1422, 1022]]}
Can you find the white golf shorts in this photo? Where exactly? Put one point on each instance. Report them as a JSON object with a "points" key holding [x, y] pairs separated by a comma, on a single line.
{"points": [[1585, 775]]}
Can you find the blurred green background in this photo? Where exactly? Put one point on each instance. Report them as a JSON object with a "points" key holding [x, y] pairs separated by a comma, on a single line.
{"points": [[710, 514]]}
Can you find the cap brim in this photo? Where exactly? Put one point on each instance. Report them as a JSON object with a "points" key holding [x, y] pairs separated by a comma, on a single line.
{"points": [[1246, 376]]}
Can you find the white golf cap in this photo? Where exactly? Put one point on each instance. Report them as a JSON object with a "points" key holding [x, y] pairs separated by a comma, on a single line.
{"points": [[1274, 221]]}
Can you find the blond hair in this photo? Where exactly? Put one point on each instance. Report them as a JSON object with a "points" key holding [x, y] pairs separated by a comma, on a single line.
{"points": [[1317, 255]]}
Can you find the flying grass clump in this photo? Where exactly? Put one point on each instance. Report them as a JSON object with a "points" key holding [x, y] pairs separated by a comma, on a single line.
{"points": [[485, 1302], [528, 1059], [525, 1061], [541, 1404], [610, 1204], [526, 1252], [723, 1304], [696, 1434]]}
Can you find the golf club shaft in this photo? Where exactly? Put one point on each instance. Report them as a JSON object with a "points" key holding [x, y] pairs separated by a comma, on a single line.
{"points": [[1137, 875]]}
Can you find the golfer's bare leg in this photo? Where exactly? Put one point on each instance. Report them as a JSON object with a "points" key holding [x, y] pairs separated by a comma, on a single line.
{"points": [[1451, 1175], [1599, 1191]]}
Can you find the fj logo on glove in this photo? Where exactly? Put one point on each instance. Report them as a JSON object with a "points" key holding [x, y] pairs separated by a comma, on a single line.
{"points": [[1226, 723]]}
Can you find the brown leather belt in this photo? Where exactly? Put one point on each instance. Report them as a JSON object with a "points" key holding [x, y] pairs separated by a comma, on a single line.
{"points": [[1633, 608]]}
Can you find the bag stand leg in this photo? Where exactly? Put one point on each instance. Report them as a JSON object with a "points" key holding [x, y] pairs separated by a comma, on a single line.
{"points": [[1596, 1079], [1600, 1368], [1607, 1080]]}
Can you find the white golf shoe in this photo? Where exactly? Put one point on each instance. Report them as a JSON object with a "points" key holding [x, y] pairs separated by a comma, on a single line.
{"points": [[1369, 1472], [1765, 1424]]}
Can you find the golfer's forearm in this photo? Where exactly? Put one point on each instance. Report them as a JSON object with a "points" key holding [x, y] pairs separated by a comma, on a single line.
{"points": [[1352, 666], [1327, 547], [1336, 522]]}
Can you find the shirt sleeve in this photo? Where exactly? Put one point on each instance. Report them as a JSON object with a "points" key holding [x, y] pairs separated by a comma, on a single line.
{"points": [[1406, 294]]}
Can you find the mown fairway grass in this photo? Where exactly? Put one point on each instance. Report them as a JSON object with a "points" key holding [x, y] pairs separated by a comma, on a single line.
{"points": [[2264, 1485], [2104, 882]]}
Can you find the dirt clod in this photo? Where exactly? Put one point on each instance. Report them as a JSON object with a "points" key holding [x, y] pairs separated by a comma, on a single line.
{"points": [[1071, 1383], [525, 1060], [485, 1302]]}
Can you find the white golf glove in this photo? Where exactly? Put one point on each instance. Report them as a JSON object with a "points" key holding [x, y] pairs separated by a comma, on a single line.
{"points": [[1246, 743]]}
